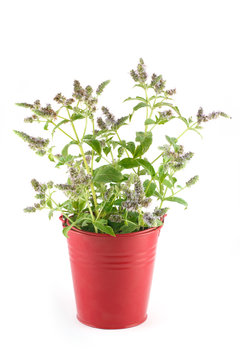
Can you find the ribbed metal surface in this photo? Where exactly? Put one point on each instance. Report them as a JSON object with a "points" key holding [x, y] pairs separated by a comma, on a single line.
{"points": [[112, 276], [112, 261]]}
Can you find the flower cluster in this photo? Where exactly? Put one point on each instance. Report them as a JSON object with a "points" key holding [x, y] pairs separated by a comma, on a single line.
{"points": [[140, 74], [149, 219], [109, 117], [119, 122], [44, 111], [115, 218], [111, 181], [102, 86], [31, 119], [179, 162], [152, 219], [85, 95], [170, 92], [40, 190], [192, 181], [110, 122], [108, 193], [158, 212], [165, 114], [29, 209], [64, 187], [101, 124], [176, 160], [157, 83], [79, 93], [201, 117], [60, 99], [134, 198], [78, 177], [35, 143]]}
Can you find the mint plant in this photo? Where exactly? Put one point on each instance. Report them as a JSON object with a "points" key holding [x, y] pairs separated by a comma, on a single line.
{"points": [[111, 182]]}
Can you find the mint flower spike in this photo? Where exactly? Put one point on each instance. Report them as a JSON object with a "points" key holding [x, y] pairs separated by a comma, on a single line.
{"points": [[101, 124], [116, 218], [149, 219], [60, 99], [31, 119], [160, 212], [158, 84], [113, 182], [109, 117], [140, 74], [25, 105], [101, 87], [29, 209], [171, 92], [192, 181], [35, 143], [78, 91], [201, 117], [141, 69], [84, 95], [134, 75]]}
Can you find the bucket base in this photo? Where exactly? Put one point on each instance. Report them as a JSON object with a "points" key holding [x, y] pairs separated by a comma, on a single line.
{"points": [[112, 327]]}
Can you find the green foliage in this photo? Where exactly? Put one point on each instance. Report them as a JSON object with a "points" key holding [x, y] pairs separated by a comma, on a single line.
{"points": [[140, 105], [66, 147], [57, 126], [149, 188], [128, 163], [77, 116], [128, 228], [106, 174], [149, 122], [95, 145], [145, 139], [101, 225], [147, 165], [177, 199], [110, 180]]}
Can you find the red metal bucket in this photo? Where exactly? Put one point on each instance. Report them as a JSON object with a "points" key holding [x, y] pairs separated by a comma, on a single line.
{"points": [[112, 276]]}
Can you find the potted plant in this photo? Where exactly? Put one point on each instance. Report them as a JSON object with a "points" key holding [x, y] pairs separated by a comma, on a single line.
{"points": [[115, 191]]}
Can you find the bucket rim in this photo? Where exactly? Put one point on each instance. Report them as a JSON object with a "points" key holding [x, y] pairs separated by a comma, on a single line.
{"points": [[136, 233]]}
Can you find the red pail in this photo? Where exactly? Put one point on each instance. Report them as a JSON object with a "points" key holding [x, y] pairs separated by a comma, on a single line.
{"points": [[112, 276]]}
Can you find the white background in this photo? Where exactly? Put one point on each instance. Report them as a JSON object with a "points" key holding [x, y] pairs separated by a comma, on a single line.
{"points": [[194, 310]]}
